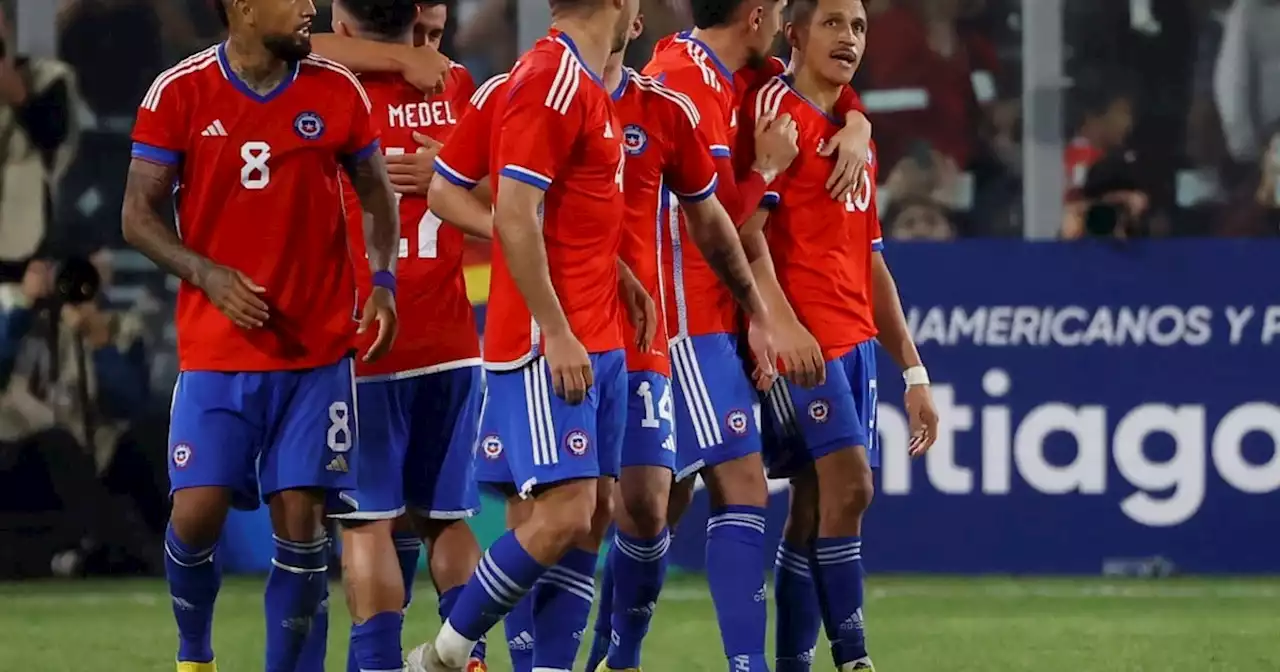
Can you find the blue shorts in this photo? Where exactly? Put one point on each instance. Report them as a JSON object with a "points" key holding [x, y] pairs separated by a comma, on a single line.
{"points": [[531, 437], [717, 410], [416, 441], [263, 432], [806, 424], [650, 439]]}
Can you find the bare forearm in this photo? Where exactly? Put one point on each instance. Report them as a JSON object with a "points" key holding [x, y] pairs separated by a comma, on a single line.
{"points": [[891, 322], [359, 55], [718, 240], [526, 258], [766, 276], [147, 190], [461, 208], [381, 217]]}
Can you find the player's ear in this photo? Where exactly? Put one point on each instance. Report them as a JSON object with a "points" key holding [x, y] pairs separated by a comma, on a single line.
{"points": [[792, 34], [341, 28], [637, 26], [756, 18]]}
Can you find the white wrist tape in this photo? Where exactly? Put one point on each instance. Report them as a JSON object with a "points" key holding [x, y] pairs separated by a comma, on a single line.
{"points": [[916, 375]]}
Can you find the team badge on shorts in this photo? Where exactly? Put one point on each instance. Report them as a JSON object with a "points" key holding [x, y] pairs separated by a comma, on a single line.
{"points": [[181, 455], [576, 441], [819, 410], [491, 446], [634, 139], [309, 126], [737, 422]]}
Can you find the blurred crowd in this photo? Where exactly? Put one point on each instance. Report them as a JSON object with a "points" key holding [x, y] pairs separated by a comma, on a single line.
{"points": [[1172, 128]]}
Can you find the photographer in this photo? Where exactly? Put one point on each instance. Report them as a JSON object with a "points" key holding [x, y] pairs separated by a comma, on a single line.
{"points": [[1111, 203], [37, 141], [74, 375]]}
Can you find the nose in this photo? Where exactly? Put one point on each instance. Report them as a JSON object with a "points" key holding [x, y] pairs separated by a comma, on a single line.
{"points": [[308, 8]]}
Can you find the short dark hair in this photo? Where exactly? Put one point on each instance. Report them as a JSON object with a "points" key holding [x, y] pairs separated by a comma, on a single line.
{"points": [[800, 11], [571, 5], [714, 13], [386, 18]]}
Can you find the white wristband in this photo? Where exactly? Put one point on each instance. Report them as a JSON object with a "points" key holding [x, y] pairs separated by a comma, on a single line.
{"points": [[916, 375]]}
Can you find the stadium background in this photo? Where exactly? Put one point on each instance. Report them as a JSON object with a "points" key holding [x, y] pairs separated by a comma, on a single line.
{"points": [[1082, 204]]}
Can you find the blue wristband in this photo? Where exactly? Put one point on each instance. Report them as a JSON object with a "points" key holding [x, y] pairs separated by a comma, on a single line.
{"points": [[385, 280]]}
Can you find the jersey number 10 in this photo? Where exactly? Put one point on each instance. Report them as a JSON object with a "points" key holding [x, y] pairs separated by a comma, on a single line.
{"points": [[863, 200]]}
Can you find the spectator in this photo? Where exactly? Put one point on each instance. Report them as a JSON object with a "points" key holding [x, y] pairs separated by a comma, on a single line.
{"points": [[1104, 127], [1247, 77], [37, 140], [927, 78], [916, 218], [74, 380]]}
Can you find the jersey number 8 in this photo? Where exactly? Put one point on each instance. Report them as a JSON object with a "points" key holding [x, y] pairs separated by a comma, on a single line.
{"points": [[255, 174]]}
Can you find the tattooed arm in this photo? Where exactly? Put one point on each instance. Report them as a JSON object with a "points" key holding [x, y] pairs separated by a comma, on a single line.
{"points": [[717, 238], [382, 241]]}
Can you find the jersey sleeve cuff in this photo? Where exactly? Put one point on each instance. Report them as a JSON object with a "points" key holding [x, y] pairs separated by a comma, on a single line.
{"points": [[453, 176], [720, 151], [701, 194], [770, 200], [366, 152], [877, 245], [529, 177], [153, 154]]}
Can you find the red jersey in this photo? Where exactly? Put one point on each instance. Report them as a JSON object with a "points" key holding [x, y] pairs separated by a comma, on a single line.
{"points": [[697, 302], [821, 247], [1079, 157], [259, 192], [464, 160], [556, 130], [666, 156], [437, 327]]}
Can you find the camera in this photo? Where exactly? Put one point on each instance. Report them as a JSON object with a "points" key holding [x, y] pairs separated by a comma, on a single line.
{"points": [[1118, 204], [77, 282]]}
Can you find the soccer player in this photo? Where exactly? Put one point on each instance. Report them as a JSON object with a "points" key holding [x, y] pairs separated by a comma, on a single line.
{"points": [[716, 405], [420, 403], [835, 293], [555, 400], [253, 132], [668, 162]]}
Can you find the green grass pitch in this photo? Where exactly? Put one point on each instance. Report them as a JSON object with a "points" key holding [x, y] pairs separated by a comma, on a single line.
{"points": [[915, 624]]}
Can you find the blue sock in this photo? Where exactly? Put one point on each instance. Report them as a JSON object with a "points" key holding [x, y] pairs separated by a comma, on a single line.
{"points": [[798, 617], [837, 567], [735, 544], [295, 588], [640, 567], [408, 550], [194, 578], [603, 629], [317, 643], [561, 606], [519, 628], [505, 574], [376, 642], [445, 606]]}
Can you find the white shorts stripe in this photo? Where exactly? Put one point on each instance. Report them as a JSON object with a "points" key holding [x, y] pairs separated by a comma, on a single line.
{"points": [[697, 396]]}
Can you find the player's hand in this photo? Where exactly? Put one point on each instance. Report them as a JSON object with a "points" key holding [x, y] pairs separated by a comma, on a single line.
{"points": [[233, 293], [641, 311], [381, 306], [425, 68], [571, 374], [801, 356], [923, 418], [411, 173], [850, 148], [776, 145], [760, 341]]}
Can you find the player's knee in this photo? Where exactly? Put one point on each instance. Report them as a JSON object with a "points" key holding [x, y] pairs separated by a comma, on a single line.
{"points": [[568, 510], [846, 497], [678, 501], [644, 509], [297, 515], [198, 515], [802, 517], [738, 482]]}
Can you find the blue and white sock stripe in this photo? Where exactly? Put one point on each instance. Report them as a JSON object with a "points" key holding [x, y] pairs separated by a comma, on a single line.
{"points": [[542, 434], [313, 552], [578, 584], [497, 584], [406, 544], [192, 560], [748, 520], [651, 552], [792, 562], [702, 413], [835, 555]]}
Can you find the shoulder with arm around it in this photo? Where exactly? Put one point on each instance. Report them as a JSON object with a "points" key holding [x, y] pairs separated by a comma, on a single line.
{"points": [[334, 75]]}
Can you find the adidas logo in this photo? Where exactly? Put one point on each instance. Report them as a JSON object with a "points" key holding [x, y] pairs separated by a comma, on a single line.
{"points": [[338, 464], [521, 642], [854, 622], [215, 130]]}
